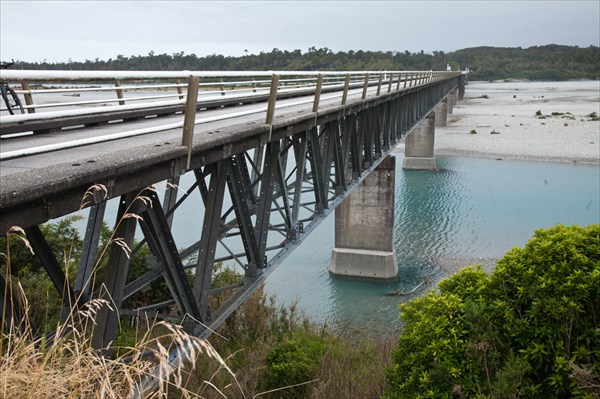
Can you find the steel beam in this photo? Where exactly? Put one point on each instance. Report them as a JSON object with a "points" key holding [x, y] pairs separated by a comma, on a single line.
{"points": [[89, 251], [53, 268], [107, 317], [162, 244], [210, 234], [281, 180]]}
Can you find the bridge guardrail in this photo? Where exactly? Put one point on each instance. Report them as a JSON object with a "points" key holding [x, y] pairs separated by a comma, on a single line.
{"points": [[60, 99]]}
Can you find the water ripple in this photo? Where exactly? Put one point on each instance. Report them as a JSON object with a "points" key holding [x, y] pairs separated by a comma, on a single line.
{"points": [[470, 211]]}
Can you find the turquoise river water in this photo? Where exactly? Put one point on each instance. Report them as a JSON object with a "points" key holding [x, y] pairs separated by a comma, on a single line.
{"points": [[470, 211]]}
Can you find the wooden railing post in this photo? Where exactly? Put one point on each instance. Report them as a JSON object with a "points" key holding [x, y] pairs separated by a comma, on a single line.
{"points": [[189, 120], [119, 92], [272, 99], [318, 93], [179, 89], [379, 84], [346, 87], [28, 97], [366, 86], [222, 87], [391, 81]]}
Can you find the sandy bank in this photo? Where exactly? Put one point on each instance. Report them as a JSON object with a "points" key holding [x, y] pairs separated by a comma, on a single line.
{"points": [[509, 110]]}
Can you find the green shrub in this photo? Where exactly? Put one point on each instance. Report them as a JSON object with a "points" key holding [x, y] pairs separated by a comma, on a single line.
{"points": [[530, 329], [293, 362]]}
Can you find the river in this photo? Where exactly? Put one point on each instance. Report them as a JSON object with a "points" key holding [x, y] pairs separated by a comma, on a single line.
{"points": [[472, 210]]}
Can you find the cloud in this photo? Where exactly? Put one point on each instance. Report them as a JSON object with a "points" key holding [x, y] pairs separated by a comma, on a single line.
{"points": [[59, 30]]}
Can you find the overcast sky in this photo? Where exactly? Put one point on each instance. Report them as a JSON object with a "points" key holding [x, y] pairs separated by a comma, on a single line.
{"points": [[80, 30]]}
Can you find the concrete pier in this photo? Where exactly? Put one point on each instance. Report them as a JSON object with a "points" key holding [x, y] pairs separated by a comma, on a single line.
{"points": [[441, 112], [418, 145], [451, 99], [364, 227]]}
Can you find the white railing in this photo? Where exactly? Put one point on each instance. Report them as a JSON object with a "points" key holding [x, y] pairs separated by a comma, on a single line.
{"points": [[47, 91], [115, 94]]}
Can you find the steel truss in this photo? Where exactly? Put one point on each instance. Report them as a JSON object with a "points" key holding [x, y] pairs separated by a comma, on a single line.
{"points": [[254, 206]]}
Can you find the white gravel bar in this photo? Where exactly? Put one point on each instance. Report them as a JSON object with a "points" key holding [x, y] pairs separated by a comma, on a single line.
{"points": [[508, 109]]}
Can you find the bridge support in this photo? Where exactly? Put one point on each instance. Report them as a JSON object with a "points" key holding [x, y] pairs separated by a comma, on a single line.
{"points": [[463, 81], [451, 99], [418, 145], [441, 112], [364, 225]]}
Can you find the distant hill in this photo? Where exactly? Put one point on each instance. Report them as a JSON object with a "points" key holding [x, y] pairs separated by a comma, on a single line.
{"points": [[551, 62]]}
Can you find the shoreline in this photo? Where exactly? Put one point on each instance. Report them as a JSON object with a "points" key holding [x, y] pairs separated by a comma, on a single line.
{"points": [[526, 121], [565, 132]]}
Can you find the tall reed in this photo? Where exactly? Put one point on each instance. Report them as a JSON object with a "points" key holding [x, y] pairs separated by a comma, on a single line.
{"points": [[66, 365]]}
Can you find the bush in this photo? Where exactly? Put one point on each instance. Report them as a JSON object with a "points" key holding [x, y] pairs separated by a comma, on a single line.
{"points": [[293, 362], [271, 348], [530, 329]]}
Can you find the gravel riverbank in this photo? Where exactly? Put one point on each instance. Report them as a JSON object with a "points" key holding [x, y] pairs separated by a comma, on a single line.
{"points": [[533, 121], [498, 120]]}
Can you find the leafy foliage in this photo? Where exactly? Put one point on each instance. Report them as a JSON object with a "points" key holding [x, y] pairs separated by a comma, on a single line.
{"points": [[530, 329], [64, 240], [292, 362], [65, 244], [551, 62]]}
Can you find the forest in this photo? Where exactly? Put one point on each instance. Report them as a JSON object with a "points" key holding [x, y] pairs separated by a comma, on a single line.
{"points": [[549, 62]]}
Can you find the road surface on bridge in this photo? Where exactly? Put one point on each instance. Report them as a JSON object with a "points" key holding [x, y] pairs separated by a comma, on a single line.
{"points": [[25, 151]]}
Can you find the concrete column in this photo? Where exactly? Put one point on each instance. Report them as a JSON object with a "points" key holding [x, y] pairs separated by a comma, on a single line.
{"points": [[364, 228], [441, 113], [451, 98], [461, 92], [455, 97], [418, 145]]}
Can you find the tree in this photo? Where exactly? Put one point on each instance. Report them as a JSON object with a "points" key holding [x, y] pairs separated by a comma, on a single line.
{"points": [[530, 329], [551, 62], [63, 238]]}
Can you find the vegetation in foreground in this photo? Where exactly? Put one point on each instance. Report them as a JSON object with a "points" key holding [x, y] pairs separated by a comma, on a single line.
{"points": [[530, 329], [276, 353], [272, 351], [64, 364]]}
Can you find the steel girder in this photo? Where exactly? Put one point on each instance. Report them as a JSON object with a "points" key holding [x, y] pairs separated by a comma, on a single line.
{"points": [[254, 207]]}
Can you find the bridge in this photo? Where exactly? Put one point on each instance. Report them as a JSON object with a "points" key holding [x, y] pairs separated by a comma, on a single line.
{"points": [[245, 163]]}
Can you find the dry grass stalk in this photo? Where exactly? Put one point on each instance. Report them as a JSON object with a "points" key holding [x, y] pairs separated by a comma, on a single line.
{"points": [[68, 366]]}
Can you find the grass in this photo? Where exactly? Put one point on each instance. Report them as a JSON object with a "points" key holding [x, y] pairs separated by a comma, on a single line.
{"points": [[33, 365], [339, 365], [68, 367]]}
